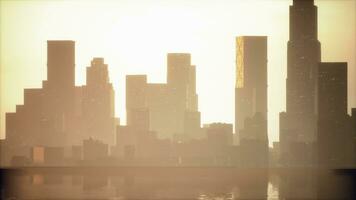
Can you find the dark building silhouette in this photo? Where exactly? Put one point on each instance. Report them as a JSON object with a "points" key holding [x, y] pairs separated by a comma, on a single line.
{"points": [[251, 98], [95, 150], [99, 120], [2, 152], [353, 119], [298, 123], [334, 135]]}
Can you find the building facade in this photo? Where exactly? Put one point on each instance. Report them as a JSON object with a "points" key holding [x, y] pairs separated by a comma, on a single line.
{"points": [[298, 123]]}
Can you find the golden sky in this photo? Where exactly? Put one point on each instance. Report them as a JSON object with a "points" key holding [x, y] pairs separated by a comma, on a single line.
{"points": [[134, 37]]}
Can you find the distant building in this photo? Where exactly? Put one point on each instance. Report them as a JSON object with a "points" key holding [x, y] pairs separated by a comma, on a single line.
{"points": [[54, 156], [47, 116], [135, 140], [219, 134], [298, 123], [60, 114], [353, 119], [335, 138], [2, 153], [77, 153], [95, 150], [170, 110], [251, 79], [99, 103], [251, 99]]}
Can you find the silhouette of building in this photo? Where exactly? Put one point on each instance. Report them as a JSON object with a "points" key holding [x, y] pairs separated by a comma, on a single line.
{"points": [[60, 114], [170, 110], [353, 119], [181, 85], [54, 156], [298, 123], [99, 120], [2, 152], [137, 112], [219, 134], [95, 150], [44, 118], [251, 98], [334, 135]]}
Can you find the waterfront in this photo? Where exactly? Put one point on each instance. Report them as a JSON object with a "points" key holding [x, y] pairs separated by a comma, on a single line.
{"points": [[173, 183]]}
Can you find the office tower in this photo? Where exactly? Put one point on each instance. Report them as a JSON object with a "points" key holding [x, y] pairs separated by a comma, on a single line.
{"points": [[45, 116], [98, 104], [170, 110], [60, 82], [181, 80], [181, 85], [334, 135], [298, 123], [160, 114], [60, 64], [251, 99], [137, 111], [251, 79]]}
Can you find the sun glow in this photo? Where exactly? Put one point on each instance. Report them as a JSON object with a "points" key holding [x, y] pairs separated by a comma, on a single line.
{"points": [[134, 37]]}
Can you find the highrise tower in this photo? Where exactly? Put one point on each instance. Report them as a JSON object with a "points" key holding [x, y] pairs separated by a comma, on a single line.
{"points": [[298, 123]]}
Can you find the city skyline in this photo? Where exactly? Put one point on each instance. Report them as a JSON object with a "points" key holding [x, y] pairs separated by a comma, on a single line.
{"points": [[123, 125], [210, 112]]}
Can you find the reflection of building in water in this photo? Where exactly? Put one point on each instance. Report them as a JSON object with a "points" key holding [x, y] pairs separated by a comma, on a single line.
{"points": [[251, 99], [335, 138], [175, 183], [297, 184]]}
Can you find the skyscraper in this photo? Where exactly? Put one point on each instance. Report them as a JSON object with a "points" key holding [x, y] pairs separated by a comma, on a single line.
{"points": [[45, 117], [251, 99], [170, 110], [181, 85], [298, 123], [61, 63], [99, 103], [251, 82], [334, 135], [136, 101]]}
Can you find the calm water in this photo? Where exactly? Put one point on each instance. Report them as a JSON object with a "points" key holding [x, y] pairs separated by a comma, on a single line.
{"points": [[173, 183]]}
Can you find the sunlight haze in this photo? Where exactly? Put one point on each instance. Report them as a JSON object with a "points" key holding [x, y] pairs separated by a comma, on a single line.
{"points": [[134, 37]]}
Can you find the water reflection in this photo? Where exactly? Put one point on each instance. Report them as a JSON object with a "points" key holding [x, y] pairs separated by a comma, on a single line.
{"points": [[173, 183]]}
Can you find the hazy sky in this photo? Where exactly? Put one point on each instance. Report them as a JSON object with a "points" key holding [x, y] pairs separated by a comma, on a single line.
{"points": [[135, 36]]}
